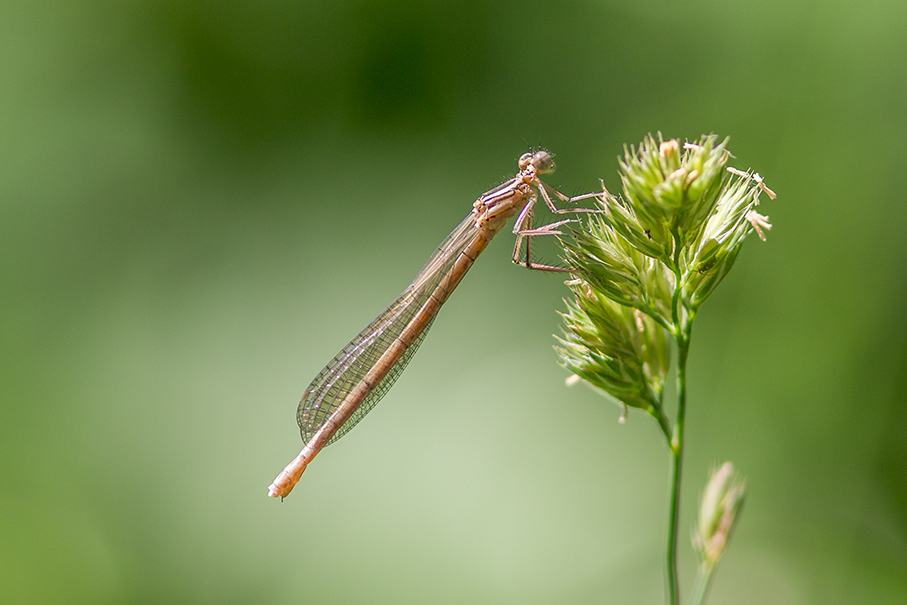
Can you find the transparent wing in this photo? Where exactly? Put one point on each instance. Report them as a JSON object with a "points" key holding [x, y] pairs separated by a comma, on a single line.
{"points": [[348, 368]]}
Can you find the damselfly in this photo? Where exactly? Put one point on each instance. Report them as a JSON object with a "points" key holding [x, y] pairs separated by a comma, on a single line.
{"points": [[359, 376]]}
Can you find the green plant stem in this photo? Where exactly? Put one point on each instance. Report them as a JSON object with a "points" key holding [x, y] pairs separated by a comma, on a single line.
{"points": [[677, 466], [663, 423], [679, 330], [701, 587]]}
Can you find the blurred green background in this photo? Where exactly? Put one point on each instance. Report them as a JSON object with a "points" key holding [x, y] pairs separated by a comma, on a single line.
{"points": [[200, 203]]}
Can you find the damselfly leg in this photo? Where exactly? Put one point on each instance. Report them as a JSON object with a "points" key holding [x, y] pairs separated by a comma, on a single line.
{"points": [[524, 230]]}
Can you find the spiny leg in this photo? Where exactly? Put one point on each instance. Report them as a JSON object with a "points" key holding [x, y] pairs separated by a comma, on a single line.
{"points": [[545, 188], [523, 229]]}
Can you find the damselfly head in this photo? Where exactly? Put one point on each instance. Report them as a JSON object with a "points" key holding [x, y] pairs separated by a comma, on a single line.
{"points": [[541, 160]]}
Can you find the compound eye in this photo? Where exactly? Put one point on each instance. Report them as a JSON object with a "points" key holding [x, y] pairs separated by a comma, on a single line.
{"points": [[543, 161], [525, 160]]}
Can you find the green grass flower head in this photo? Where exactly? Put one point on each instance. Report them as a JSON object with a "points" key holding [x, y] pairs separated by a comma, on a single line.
{"points": [[650, 258]]}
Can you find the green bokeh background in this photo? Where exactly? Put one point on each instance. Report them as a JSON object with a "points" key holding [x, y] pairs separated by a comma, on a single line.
{"points": [[200, 203]]}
